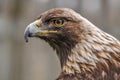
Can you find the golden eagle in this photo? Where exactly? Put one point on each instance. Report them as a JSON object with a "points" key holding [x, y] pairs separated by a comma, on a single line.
{"points": [[85, 52]]}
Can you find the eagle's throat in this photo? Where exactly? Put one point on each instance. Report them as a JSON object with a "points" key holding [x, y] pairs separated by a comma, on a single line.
{"points": [[63, 46]]}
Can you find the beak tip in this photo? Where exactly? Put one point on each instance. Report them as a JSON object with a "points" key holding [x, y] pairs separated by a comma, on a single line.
{"points": [[26, 34], [26, 40]]}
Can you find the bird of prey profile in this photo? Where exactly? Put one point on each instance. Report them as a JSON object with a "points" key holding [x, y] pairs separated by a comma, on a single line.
{"points": [[85, 51]]}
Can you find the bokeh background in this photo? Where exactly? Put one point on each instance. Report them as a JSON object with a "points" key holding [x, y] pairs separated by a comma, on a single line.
{"points": [[36, 60]]}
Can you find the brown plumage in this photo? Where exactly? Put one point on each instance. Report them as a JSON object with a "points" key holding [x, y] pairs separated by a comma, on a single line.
{"points": [[85, 51]]}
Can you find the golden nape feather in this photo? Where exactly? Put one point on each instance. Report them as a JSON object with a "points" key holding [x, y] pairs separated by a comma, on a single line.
{"points": [[85, 51]]}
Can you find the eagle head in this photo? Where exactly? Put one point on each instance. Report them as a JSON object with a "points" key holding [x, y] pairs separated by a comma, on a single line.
{"points": [[59, 27], [83, 49], [59, 24]]}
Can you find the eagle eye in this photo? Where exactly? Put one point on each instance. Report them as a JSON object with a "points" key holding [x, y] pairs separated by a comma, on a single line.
{"points": [[57, 22]]}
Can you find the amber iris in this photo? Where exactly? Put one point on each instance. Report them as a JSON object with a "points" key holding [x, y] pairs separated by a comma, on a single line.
{"points": [[57, 22]]}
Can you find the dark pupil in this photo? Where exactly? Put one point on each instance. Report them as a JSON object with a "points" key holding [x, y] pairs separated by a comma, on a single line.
{"points": [[58, 21]]}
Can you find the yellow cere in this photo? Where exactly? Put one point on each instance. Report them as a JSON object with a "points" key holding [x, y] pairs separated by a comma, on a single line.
{"points": [[38, 22]]}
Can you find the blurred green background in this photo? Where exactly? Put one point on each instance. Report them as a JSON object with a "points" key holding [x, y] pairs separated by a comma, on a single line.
{"points": [[36, 60]]}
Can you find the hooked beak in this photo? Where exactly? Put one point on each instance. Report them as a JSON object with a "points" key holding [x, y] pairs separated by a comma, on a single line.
{"points": [[34, 29]]}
